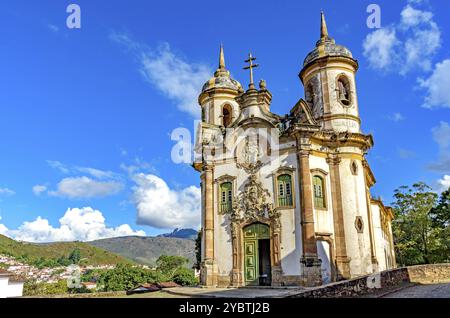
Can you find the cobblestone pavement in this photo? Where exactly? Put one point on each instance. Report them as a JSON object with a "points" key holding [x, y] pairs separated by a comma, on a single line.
{"points": [[235, 292], [423, 291]]}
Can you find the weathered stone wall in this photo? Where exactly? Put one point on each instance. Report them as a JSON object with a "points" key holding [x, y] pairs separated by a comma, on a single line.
{"points": [[436, 273], [373, 283]]}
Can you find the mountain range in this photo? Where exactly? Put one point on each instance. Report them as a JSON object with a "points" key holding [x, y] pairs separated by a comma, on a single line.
{"points": [[141, 250]]}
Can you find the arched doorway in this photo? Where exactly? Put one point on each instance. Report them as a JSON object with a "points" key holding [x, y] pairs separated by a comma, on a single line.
{"points": [[257, 264]]}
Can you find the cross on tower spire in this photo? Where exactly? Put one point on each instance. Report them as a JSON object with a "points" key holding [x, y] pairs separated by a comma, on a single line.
{"points": [[250, 67]]}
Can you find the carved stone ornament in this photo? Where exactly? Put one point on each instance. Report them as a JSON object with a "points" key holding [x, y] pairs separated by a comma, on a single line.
{"points": [[252, 203]]}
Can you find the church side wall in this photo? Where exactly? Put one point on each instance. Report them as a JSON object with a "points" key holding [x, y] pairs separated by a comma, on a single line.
{"points": [[379, 241], [354, 207], [323, 217]]}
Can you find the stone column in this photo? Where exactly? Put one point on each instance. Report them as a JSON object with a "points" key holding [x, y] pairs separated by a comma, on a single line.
{"points": [[310, 263], [342, 261], [209, 274], [371, 234]]}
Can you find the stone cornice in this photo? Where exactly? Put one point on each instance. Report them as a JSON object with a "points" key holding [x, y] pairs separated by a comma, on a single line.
{"points": [[333, 139]]}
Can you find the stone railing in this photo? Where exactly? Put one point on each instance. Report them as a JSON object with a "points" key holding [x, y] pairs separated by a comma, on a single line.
{"points": [[370, 284]]}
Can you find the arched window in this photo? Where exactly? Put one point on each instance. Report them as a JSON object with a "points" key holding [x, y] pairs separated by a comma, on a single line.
{"points": [[226, 115], [344, 90], [284, 190], [319, 192], [309, 96], [226, 197]]}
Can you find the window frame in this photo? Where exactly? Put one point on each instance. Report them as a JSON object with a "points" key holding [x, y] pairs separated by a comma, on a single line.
{"points": [[322, 174], [282, 171], [219, 182]]}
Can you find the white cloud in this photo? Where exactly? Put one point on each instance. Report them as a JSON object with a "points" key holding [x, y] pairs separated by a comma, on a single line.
{"points": [[85, 187], [379, 47], [96, 173], [441, 135], [78, 224], [98, 183], [405, 153], [161, 207], [171, 74], [53, 27], [39, 189], [6, 192], [444, 183], [405, 46], [3, 228], [438, 85], [411, 17], [58, 165], [396, 117]]}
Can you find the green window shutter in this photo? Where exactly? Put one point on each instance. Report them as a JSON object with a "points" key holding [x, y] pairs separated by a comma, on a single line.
{"points": [[226, 190], [319, 197], [284, 190]]}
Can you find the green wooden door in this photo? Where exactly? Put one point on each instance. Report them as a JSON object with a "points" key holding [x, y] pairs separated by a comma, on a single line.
{"points": [[252, 234], [251, 262]]}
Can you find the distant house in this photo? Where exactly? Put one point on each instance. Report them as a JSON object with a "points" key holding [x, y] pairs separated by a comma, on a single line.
{"points": [[144, 288], [89, 285], [10, 285]]}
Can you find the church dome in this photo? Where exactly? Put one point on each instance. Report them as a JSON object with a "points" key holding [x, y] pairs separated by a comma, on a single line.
{"points": [[222, 81], [330, 49], [222, 78], [326, 46]]}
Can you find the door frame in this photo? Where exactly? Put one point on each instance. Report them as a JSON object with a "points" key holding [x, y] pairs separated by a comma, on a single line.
{"points": [[238, 242], [261, 231]]}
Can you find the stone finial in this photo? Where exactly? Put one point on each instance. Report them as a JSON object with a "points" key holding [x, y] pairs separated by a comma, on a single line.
{"points": [[221, 58], [262, 84], [323, 26]]}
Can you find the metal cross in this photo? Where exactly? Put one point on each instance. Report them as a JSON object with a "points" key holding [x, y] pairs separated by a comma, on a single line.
{"points": [[250, 67]]}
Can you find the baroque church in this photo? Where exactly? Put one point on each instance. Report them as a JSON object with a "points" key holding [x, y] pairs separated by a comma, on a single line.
{"points": [[286, 199]]}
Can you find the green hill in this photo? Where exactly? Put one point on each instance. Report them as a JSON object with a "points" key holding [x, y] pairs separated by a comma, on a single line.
{"points": [[146, 250], [36, 254]]}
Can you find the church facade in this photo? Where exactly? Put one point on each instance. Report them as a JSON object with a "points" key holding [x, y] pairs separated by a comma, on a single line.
{"points": [[286, 199]]}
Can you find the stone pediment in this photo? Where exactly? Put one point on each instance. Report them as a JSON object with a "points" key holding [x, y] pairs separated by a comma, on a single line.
{"points": [[303, 114]]}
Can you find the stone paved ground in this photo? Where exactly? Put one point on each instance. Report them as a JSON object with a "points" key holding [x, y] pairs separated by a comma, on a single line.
{"points": [[235, 292], [423, 291]]}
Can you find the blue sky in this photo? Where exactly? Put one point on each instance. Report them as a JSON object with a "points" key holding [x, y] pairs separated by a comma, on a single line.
{"points": [[86, 114]]}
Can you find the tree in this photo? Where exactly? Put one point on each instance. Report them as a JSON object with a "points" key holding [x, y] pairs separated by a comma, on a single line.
{"points": [[185, 277], [441, 213], [198, 250], [125, 277], [168, 265], [418, 239], [75, 256]]}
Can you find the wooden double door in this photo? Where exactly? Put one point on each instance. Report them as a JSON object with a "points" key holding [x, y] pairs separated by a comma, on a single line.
{"points": [[257, 264]]}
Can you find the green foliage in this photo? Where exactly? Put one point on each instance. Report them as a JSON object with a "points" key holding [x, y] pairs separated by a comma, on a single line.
{"points": [[57, 254], [33, 288], [168, 265], [75, 256], [198, 250], [420, 236], [126, 277], [185, 277], [92, 275]]}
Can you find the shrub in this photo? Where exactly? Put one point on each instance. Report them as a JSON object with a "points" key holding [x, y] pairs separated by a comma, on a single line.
{"points": [[185, 277]]}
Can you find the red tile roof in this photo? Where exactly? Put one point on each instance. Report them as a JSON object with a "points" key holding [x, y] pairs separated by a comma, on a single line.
{"points": [[168, 285], [5, 273]]}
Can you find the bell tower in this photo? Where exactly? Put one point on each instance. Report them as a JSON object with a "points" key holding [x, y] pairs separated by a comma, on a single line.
{"points": [[217, 99], [328, 76]]}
